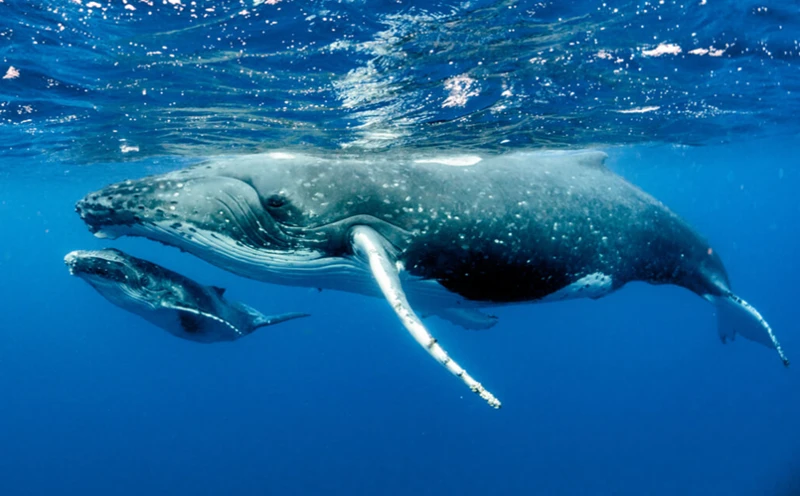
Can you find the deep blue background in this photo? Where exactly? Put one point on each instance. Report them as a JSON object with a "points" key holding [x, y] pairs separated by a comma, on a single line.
{"points": [[632, 394]]}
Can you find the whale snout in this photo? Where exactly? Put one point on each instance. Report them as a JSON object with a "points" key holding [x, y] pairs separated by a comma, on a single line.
{"points": [[80, 262], [107, 264], [71, 260], [101, 211], [109, 211], [90, 214]]}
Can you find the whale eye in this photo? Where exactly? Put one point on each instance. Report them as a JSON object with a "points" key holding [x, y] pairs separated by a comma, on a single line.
{"points": [[281, 209], [276, 201]]}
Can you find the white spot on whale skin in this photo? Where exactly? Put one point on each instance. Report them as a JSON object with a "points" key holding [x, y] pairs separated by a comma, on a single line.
{"points": [[280, 155], [455, 161], [593, 286], [69, 260]]}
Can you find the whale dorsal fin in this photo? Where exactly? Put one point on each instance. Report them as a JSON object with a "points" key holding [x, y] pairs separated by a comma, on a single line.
{"points": [[220, 291], [595, 159], [582, 158]]}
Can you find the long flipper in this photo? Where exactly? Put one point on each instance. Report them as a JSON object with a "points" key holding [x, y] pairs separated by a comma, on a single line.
{"points": [[369, 245], [200, 314], [736, 316]]}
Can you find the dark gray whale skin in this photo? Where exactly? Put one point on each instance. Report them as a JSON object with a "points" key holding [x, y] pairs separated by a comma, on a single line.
{"points": [[508, 229], [520, 227], [532, 231]]}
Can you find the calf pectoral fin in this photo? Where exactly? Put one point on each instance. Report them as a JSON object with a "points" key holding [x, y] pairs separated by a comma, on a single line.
{"points": [[193, 321], [371, 247], [736, 316], [468, 318]]}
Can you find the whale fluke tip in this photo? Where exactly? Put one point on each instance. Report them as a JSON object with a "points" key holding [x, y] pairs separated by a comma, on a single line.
{"points": [[736, 316]]}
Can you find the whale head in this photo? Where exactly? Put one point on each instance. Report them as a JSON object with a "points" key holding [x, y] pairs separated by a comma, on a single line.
{"points": [[115, 274], [264, 212]]}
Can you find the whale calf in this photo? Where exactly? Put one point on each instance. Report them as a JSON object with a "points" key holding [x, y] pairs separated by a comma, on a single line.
{"points": [[167, 299], [445, 237]]}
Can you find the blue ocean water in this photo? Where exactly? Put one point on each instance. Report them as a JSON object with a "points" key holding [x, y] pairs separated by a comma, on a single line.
{"points": [[632, 394]]}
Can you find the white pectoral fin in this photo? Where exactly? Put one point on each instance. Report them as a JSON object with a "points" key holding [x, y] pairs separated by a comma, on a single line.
{"points": [[371, 247], [736, 316], [189, 317]]}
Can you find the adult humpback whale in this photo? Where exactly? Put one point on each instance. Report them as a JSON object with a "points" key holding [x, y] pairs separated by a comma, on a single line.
{"points": [[177, 304], [429, 236]]}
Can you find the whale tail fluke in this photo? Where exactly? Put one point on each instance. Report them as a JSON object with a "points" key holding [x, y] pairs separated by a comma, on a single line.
{"points": [[259, 320], [268, 320], [736, 316]]}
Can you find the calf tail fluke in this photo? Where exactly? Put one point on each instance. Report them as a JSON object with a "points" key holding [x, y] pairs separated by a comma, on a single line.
{"points": [[736, 316], [268, 320]]}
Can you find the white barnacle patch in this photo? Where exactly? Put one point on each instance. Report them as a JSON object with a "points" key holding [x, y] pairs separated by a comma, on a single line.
{"points": [[453, 161], [593, 286], [280, 155]]}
